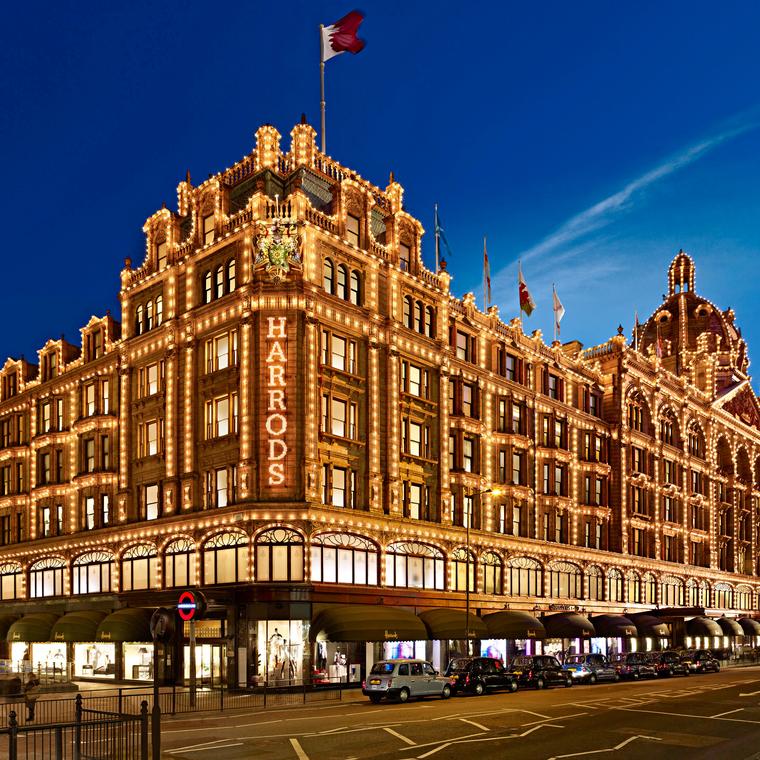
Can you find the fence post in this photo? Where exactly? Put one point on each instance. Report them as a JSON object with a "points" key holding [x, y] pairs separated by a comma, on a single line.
{"points": [[58, 743], [155, 737], [304, 692], [78, 729], [265, 694], [144, 730], [221, 697], [12, 734], [121, 706], [174, 699]]}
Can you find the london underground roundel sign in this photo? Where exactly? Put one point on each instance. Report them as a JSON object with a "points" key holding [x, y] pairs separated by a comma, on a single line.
{"points": [[187, 606]]}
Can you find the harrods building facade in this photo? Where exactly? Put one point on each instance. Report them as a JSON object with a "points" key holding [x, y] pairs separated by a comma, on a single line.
{"points": [[293, 413]]}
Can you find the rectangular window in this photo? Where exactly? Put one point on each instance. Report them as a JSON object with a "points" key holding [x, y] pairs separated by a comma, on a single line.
{"points": [[468, 454], [46, 525], [593, 404], [89, 455], [151, 438], [510, 368], [516, 520], [415, 501], [352, 229], [59, 421], [404, 256], [105, 397], [89, 400], [553, 386], [161, 254], [502, 465], [45, 472], [46, 417], [105, 509], [152, 510], [208, 229], [222, 351], [105, 452], [89, 513], [518, 459], [468, 396], [517, 418]]}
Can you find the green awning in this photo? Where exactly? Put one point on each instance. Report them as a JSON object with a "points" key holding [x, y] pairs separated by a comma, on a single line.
{"points": [[514, 625], [364, 622], [730, 627], [613, 626], [5, 623], [750, 626], [128, 624], [34, 627], [443, 624], [568, 625], [702, 626], [649, 625], [79, 626]]}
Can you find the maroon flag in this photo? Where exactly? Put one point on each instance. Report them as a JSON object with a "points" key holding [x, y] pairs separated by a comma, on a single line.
{"points": [[341, 36]]}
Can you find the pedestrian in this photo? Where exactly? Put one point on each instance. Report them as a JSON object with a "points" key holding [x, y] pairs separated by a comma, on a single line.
{"points": [[31, 693]]}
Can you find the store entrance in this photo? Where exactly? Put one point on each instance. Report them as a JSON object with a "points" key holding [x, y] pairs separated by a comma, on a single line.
{"points": [[209, 664]]}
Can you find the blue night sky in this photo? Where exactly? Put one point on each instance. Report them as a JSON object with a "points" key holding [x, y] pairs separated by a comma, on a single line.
{"points": [[591, 139]]}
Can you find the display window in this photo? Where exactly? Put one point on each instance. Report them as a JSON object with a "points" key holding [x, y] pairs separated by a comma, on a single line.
{"points": [[95, 660], [395, 650], [280, 650], [208, 663], [138, 661], [496, 648], [49, 656], [337, 663]]}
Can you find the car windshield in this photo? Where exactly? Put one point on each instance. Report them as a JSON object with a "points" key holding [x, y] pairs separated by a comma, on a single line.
{"points": [[459, 664], [575, 659], [522, 662], [382, 668]]}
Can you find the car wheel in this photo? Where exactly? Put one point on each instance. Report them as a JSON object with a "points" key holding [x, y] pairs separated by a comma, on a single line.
{"points": [[717, 668], [403, 695], [375, 699], [687, 672], [479, 689], [669, 672], [446, 691], [636, 675], [513, 686], [569, 681], [616, 677], [592, 678], [540, 684]]}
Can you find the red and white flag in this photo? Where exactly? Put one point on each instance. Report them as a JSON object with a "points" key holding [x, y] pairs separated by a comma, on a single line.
{"points": [[341, 36], [527, 304], [559, 311]]}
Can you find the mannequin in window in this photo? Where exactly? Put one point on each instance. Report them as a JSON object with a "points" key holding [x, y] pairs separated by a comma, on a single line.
{"points": [[321, 655], [277, 652]]}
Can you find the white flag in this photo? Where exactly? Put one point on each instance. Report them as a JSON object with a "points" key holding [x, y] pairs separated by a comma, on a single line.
{"points": [[559, 310]]}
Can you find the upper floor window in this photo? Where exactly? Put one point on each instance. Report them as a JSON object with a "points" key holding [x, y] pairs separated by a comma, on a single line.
{"points": [[338, 352], [342, 281], [149, 314], [208, 229], [415, 380], [343, 558], [636, 417], [339, 486], [94, 344], [96, 398], [279, 556], [150, 506], [46, 577], [10, 385], [419, 317], [352, 229], [221, 486], [696, 443], [150, 438], [219, 281], [222, 416], [465, 346], [222, 351], [404, 257], [162, 254], [554, 386], [338, 416], [150, 379], [49, 366]]}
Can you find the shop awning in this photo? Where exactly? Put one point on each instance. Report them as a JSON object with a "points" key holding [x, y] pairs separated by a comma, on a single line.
{"points": [[648, 625], [730, 627], [613, 626], [364, 622], [568, 625], [5, 623], [702, 626], [750, 626], [445, 624], [34, 627], [514, 625], [79, 626], [128, 624]]}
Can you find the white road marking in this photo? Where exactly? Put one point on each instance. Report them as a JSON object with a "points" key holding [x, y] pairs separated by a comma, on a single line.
{"points": [[207, 728], [750, 694], [728, 712], [206, 749], [433, 751], [193, 747], [686, 715], [473, 723], [607, 749], [298, 749], [399, 736]]}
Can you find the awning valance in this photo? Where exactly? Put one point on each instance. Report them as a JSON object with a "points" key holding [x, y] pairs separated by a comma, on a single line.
{"points": [[730, 627], [648, 625], [443, 624], [568, 625], [365, 622], [613, 626], [6, 621], [79, 626], [33, 627], [750, 626], [514, 625], [128, 624], [702, 626]]}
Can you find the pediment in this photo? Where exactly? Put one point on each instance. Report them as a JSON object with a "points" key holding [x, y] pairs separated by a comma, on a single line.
{"points": [[741, 402]]}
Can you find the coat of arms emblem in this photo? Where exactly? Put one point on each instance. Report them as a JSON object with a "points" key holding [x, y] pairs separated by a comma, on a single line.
{"points": [[278, 248]]}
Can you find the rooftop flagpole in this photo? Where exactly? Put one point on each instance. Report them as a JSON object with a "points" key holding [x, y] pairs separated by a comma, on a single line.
{"points": [[437, 242], [322, 84]]}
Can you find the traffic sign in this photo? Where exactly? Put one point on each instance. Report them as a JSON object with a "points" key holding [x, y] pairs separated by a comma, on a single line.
{"points": [[191, 605]]}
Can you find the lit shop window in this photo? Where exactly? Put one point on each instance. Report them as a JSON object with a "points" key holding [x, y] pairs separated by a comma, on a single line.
{"points": [[565, 581], [279, 556], [492, 573], [526, 577], [10, 581], [462, 570], [179, 563], [413, 565], [343, 558], [139, 568], [91, 573], [225, 558], [46, 577]]}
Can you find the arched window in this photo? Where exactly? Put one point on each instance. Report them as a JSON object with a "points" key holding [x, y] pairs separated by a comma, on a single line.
{"points": [[225, 559], [139, 567], [595, 579], [413, 565], [526, 577], [219, 282], [493, 571], [462, 570], [743, 598], [743, 467], [650, 589], [328, 276], [91, 573], [725, 459], [179, 563], [615, 585], [207, 287], [46, 577], [723, 594], [632, 588], [669, 432], [343, 282], [231, 282], [638, 418], [356, 293], [418, 318], [409, 312], [159, 310], [149, 316], [672, 592], [10, 581], [344, 558], [565, 581], [139, 320], [692, 593], [430, 321], [705, 594], [696, 441], [279, 555]]}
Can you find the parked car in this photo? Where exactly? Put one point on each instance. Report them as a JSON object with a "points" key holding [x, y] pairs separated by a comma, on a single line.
{"points": [[539, 670], [478, 675], [669, 663], [635, 665], [590, 668], [701, 661], [402, 679]]}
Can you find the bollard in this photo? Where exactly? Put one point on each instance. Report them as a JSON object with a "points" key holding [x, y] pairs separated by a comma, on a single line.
{"points": [[12, 736], [78, 728], [144, 730]]}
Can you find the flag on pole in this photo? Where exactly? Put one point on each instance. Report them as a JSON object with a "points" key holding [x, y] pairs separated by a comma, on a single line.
{"points": [[527, 304], [439, 233], [636, 330], [341, 36], [559, 311], [486, 276]]}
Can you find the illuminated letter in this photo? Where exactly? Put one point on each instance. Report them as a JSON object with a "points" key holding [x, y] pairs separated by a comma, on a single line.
{"points": [[276, 401], [274, 455], [280, 421], [276, 327], [277, 375], [276, 354], [276, 474]]}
